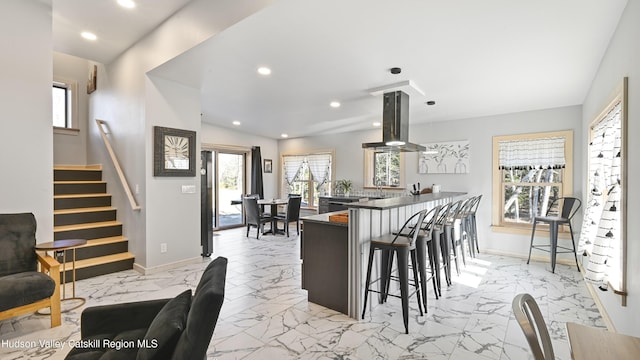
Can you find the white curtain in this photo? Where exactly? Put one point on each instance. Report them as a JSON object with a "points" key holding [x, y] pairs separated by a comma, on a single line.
{"points": [[600, 234], [544, 153], [292, 165], [319, 166]]}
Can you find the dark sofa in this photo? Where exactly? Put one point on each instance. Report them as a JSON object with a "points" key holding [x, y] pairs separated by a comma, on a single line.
{"points": [[178, 328]]}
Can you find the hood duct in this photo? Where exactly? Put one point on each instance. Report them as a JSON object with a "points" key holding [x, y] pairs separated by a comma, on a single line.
{"points": [[395, 125]]}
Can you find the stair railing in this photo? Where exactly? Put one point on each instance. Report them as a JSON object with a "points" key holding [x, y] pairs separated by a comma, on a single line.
{"points": [[116, 164]]}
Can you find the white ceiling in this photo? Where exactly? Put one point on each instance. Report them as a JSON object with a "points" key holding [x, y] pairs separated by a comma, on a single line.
{"points": [[117, 28], [474, 58]]}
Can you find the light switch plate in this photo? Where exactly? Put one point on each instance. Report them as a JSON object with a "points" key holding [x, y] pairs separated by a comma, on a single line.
{"points": [[188, 189]]}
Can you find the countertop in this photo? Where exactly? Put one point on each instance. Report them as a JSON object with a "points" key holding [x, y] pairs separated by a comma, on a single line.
{"points": [[381, 204], [324, 218]]}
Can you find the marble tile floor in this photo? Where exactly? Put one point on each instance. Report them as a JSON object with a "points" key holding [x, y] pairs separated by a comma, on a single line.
{"points": [[266, 314]]}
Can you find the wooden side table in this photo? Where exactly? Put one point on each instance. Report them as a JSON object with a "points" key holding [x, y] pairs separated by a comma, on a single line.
{"points": [[60, 246]]}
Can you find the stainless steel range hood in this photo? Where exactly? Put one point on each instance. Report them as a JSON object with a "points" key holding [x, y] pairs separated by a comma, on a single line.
{"points": [[395, 125]]}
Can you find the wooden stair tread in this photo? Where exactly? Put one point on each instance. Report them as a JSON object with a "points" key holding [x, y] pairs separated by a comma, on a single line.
{"points": [[85, 226], [83, 210], [103, 260], [71, 182], [104, 241], [73, 196], [78, 167]]}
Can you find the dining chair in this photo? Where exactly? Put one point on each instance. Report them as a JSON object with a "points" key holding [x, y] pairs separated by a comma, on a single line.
{"points": [[535, 330], [254, 215], [292, 214], [566, 208]]}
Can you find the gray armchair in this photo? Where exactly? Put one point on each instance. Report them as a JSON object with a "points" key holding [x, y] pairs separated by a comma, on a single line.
{"points": [[178, 328], [24, 289]]}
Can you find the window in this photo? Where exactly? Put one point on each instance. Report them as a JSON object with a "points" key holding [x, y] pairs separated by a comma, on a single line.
{"points": [[530, 170], [603, 233], [307, 175], [63, 94], [384, 169]]}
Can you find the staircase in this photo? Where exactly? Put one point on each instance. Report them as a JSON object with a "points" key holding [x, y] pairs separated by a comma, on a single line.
{"points": [[82, 210]]}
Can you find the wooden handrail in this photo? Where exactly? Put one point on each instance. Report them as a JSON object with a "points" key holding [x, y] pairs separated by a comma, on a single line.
{"points": [[116, 164]]}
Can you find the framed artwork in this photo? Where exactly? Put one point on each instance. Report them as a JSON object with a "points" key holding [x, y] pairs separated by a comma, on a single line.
{"points": [[451, 157], [174, 152], [92, 82], [268, 166]]}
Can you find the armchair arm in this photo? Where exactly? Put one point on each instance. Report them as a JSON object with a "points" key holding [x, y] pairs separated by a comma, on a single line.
{"points": [[48, 263], [112, 319]]}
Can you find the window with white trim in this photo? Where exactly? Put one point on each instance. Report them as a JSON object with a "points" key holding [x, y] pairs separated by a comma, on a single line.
{"points": [[308, 175], [64, 94], [530, 170], [384, 169]]}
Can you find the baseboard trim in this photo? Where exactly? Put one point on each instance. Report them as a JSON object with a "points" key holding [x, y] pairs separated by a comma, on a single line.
{"points": [[164, 267], [536, 258]]}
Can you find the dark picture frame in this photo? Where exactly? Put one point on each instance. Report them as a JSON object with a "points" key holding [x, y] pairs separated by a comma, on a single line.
{"points": [[174, 152], [268, 166]]}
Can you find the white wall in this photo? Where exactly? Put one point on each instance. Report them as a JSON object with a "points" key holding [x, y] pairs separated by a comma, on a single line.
{"points": [[26, 182], [622, 59], [480, 132], [70, 148], [215, 135], [133, 104]]}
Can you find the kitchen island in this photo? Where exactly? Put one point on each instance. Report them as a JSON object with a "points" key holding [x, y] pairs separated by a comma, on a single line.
{"points": [[367, 219]]}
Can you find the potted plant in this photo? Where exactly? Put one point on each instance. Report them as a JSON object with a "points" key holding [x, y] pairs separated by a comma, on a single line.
{"points": [[343, 187]]}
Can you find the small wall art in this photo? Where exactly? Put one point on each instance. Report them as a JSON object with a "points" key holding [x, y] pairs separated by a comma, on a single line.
{"points": [[450, 157], [92, 82], [268, 166]]}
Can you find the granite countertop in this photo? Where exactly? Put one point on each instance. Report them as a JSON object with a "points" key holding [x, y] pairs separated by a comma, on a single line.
{"points": [[381, 204]]}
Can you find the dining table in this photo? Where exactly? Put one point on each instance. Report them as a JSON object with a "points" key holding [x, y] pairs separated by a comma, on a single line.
{"points": [[587, 342], [273, 203]]}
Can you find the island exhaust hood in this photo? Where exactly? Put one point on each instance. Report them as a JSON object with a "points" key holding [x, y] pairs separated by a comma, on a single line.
{"points": [[395, 125]]}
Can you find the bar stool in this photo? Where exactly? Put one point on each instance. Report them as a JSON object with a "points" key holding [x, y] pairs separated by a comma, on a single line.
{"points": [[403, 247], [444, 231], [461, 227], [569, 207], [473, 228], [426, 248]]}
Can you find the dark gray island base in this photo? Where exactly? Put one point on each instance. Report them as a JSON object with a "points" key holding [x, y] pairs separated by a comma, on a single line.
{"points": [[325, 259], [334, 255]]}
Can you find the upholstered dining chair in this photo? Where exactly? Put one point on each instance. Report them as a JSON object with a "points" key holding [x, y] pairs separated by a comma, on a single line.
{"points": [[254, 215], [530, 319], [292, 214], [566, 207]]}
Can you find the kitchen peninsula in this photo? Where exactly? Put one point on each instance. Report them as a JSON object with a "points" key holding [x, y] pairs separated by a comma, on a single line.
{"points": [[334, 254]]}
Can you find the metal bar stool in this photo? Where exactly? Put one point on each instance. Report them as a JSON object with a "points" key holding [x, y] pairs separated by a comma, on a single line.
{"points": [[568, 206], [402, 247]]}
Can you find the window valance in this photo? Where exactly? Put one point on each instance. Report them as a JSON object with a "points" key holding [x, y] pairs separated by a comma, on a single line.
{"points": [[543, 153]]}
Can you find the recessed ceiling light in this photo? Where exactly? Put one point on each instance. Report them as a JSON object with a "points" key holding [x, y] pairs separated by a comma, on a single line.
{"points": [[236, 123], [88, 35], [335, 104], [376, 124], [129, 4], [264, 70], [284, 135]]}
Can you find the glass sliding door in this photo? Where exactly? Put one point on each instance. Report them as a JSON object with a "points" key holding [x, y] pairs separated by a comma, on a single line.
{"points": [[230, 185]]}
